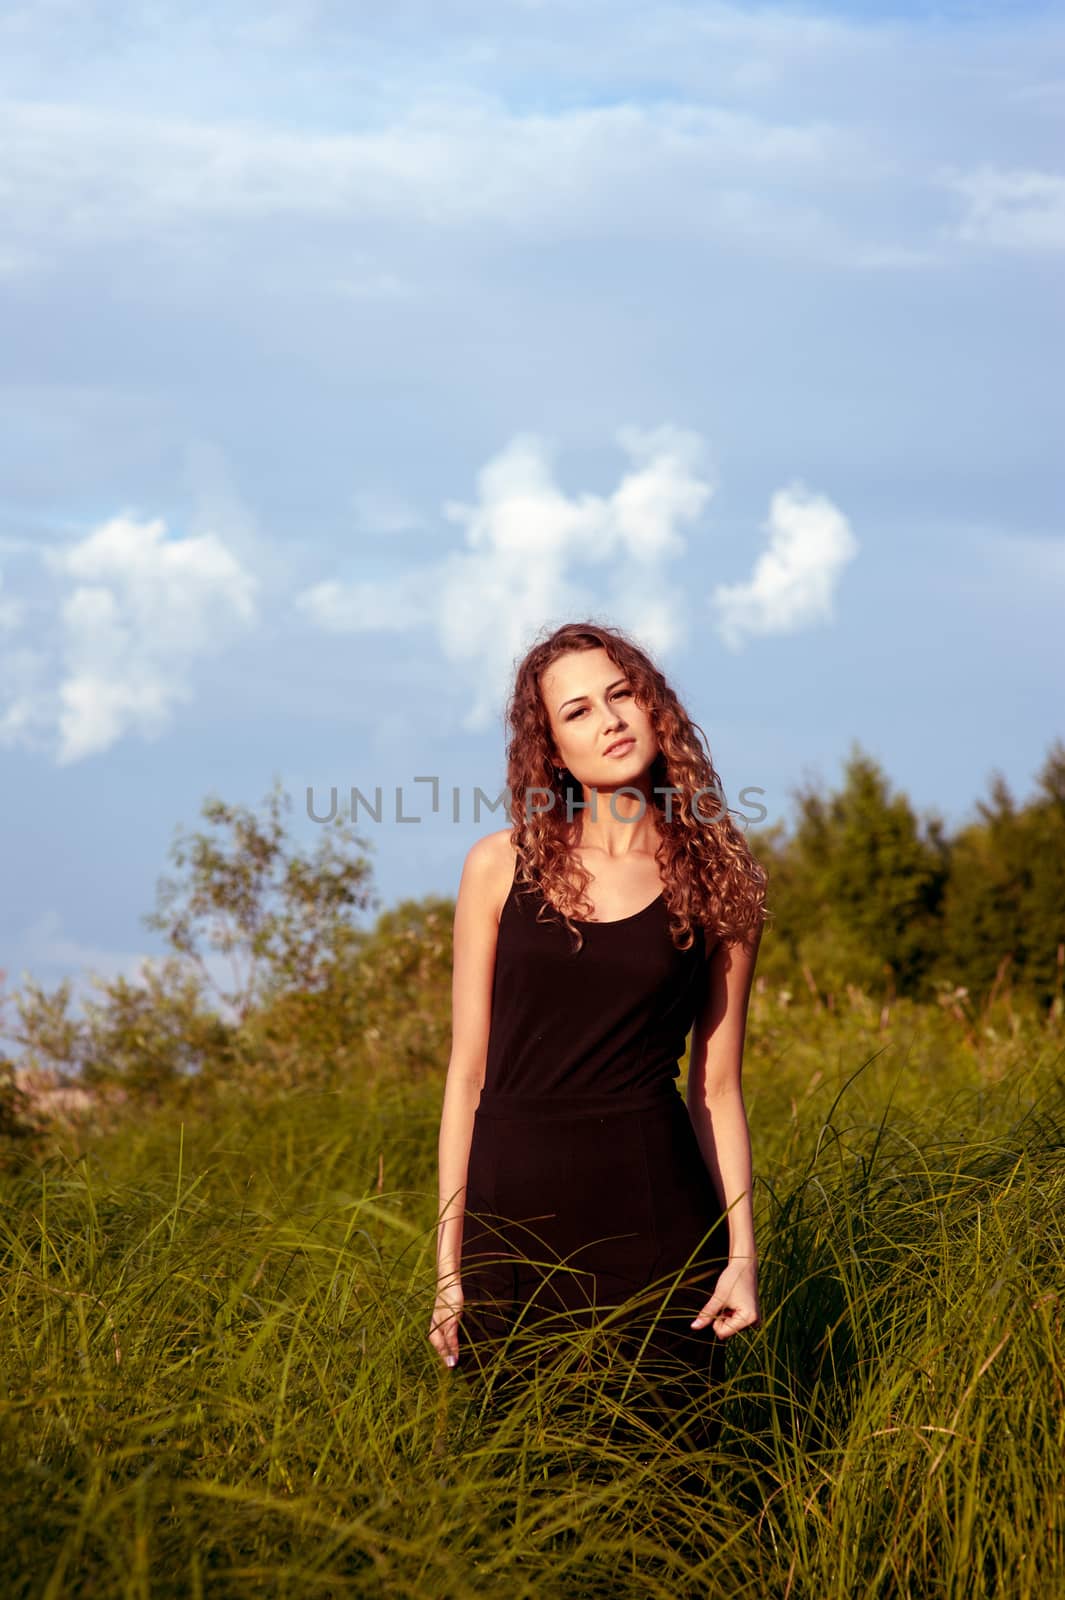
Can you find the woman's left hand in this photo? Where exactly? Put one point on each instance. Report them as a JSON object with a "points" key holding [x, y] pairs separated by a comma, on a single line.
{"points": [[733, 1305]]}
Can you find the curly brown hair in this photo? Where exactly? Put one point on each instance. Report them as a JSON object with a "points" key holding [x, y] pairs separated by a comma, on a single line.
{"points": [[709, 875]]}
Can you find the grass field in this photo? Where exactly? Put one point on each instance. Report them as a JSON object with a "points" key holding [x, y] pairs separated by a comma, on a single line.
{"points": [[217, 1379]]}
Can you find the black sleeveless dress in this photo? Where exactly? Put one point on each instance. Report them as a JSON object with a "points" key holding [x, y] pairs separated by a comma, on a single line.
{"points": [[586, 1185]]}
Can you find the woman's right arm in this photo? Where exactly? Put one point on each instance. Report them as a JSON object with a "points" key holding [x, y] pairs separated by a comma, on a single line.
{"points": [[476, 929]]}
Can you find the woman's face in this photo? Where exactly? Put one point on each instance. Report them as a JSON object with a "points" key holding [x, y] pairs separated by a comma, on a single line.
{"points": [[591, 706]]}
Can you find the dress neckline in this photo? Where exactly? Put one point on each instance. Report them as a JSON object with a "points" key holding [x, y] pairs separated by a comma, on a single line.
{"points": [[611, 922]]}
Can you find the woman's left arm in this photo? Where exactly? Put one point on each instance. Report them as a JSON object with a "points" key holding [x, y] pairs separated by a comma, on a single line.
{"points": [[719, 1118]]}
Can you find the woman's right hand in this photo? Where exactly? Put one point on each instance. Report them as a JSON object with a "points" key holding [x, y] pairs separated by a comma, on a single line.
{"points": [[444, 1330]]}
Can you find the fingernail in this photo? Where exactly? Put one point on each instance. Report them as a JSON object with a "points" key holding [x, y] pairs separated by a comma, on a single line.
{"points": [[451, 1360]]}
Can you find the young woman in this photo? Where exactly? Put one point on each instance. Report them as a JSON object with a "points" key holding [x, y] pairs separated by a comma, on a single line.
{"points": [[621, 909]]}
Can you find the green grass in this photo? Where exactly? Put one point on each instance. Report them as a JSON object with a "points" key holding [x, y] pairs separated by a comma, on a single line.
{"points": [[217, 1379]]}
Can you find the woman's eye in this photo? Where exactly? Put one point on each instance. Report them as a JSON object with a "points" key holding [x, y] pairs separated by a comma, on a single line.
{"points": [[582, 709]]}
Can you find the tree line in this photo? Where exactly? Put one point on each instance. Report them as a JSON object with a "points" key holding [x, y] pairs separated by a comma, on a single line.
{"points": [[270, 974]]}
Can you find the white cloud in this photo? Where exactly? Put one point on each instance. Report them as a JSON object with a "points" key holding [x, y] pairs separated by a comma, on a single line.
{"points": [[135, 610], [769, 126], [664, 489], [384, 512], [167, 586], [25, 702], [1020, 210], [525, 543], [12, 611], [144, 608], [368, 605], [525, 537], [83, 176], [793, 583]]}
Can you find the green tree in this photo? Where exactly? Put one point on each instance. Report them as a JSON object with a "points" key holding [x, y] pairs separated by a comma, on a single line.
{"points": [[863, 879], [1004, 910], [21, 1128], [147, 1036], [282, 920], [153, 1035], [385, 1011], [279, 917]]}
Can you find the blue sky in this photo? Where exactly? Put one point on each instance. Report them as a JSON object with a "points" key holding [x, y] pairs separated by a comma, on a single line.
{"points": [[345, 348]]}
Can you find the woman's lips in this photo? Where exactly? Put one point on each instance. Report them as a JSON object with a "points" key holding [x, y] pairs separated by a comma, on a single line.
{"points": [[621, 749]]}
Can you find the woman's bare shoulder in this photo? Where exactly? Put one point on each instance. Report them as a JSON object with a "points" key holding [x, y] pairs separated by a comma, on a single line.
{"points": [[489, 870], [492, 852]]}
